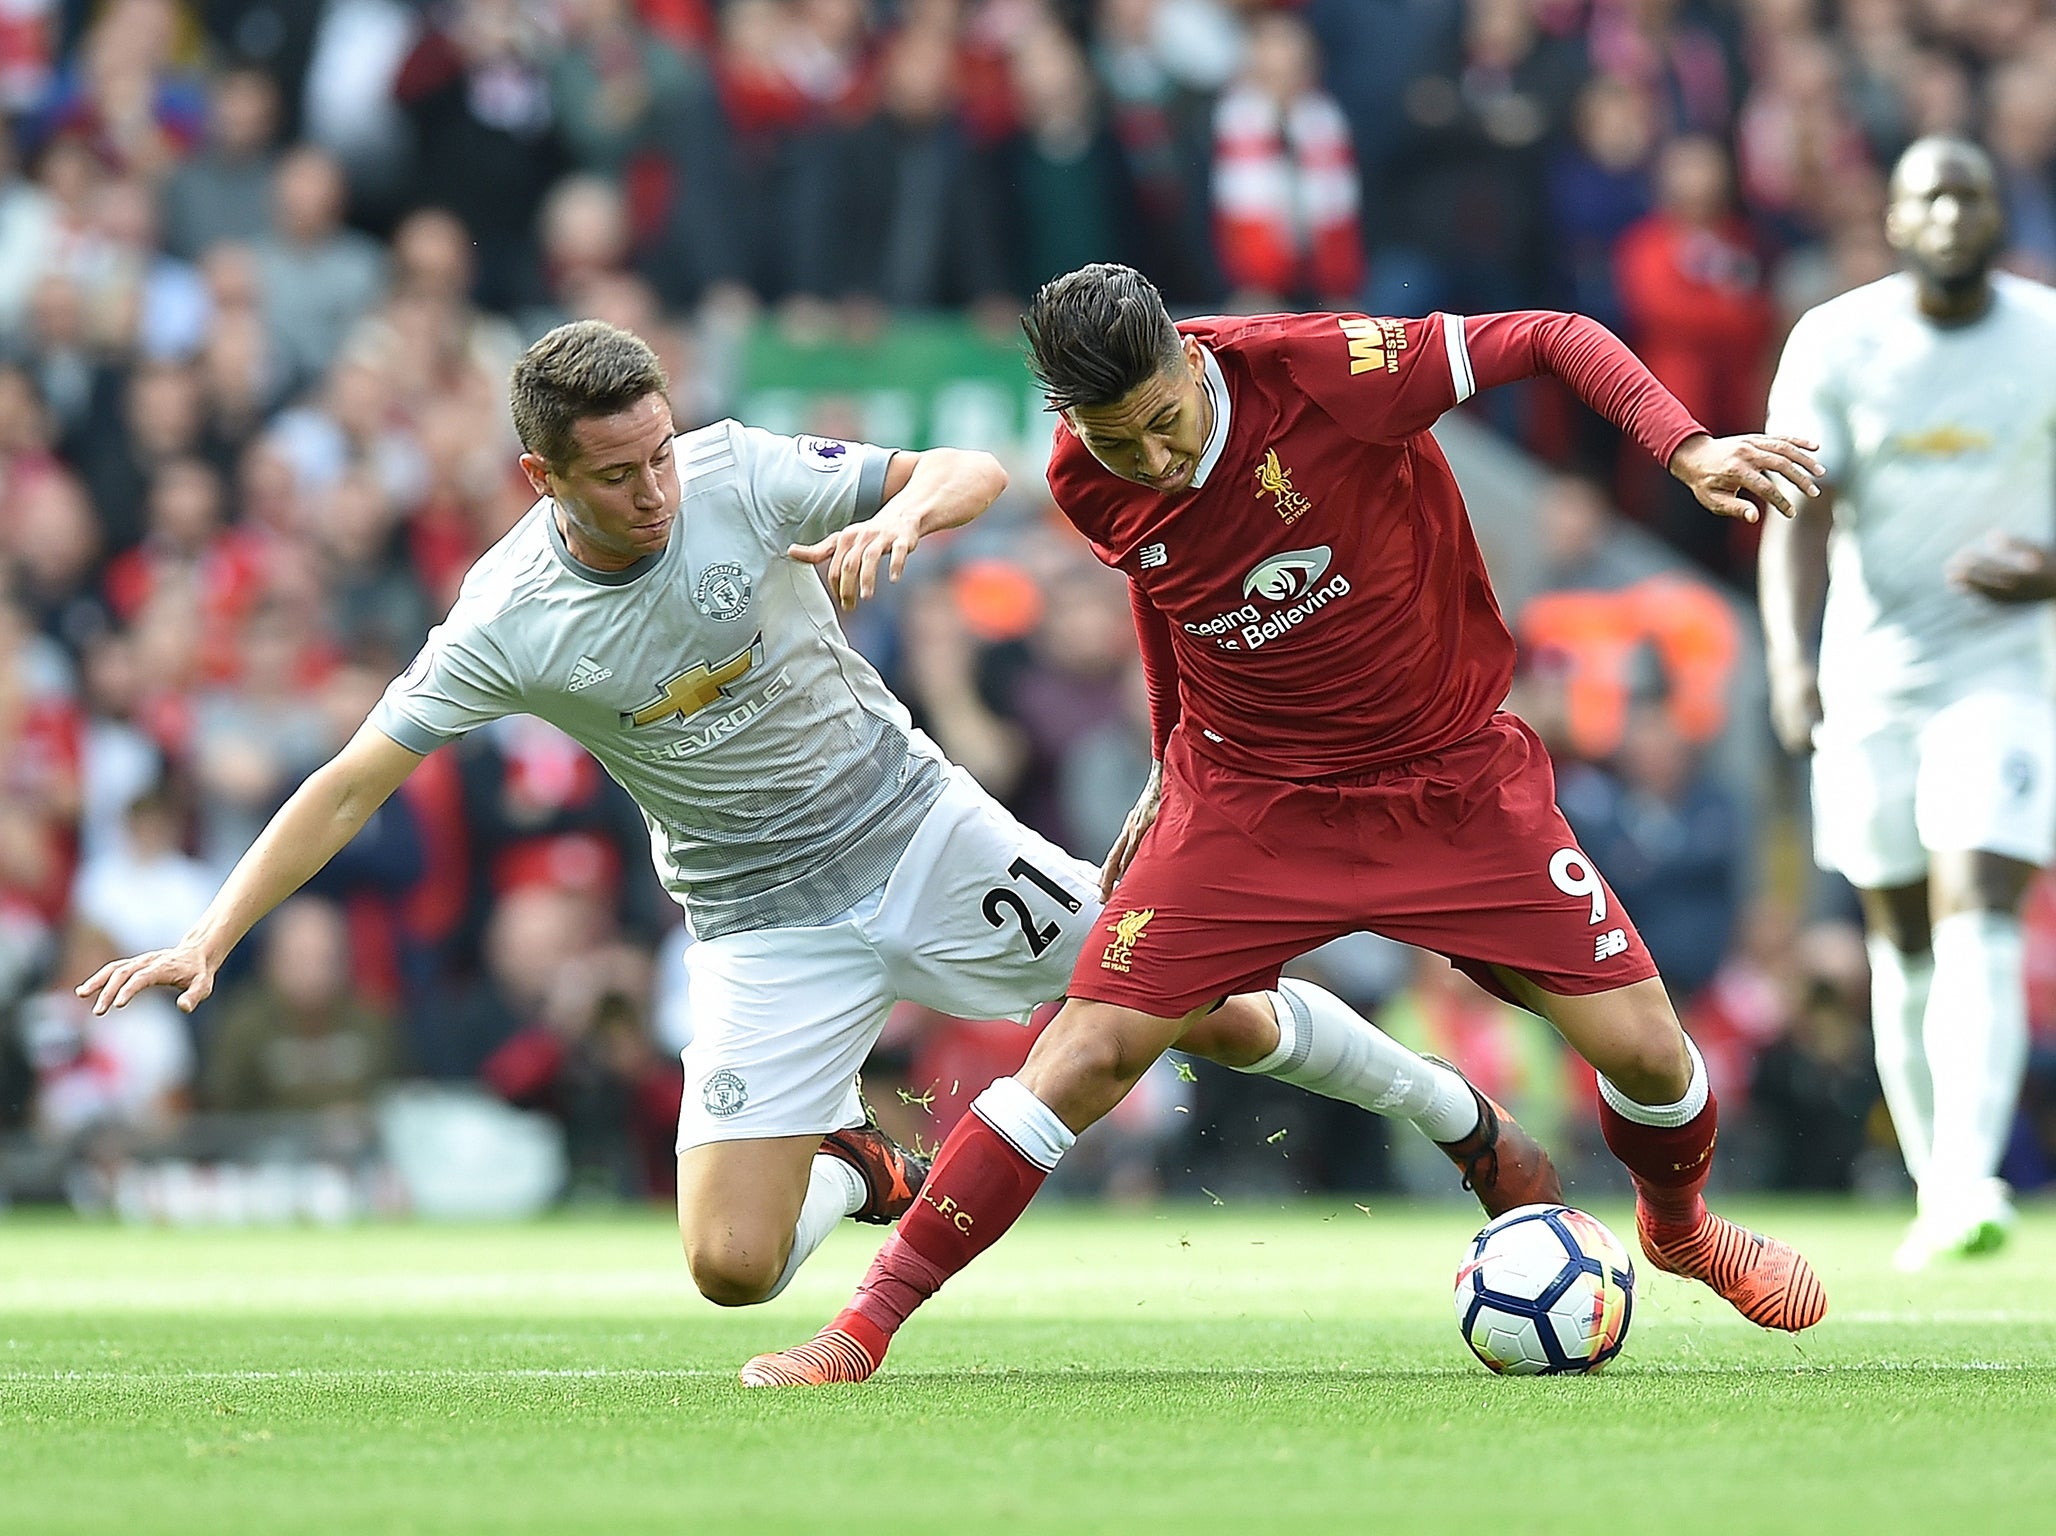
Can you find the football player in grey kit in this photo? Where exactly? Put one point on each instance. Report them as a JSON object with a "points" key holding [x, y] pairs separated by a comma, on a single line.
{"points": [[661, 604]]}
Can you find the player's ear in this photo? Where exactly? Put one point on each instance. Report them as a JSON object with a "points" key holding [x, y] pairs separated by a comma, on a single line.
{"points": [[1194, 358], [538, 472]]}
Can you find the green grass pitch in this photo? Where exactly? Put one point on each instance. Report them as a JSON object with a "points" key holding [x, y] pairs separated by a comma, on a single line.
{"points": [[1189, 1369]]}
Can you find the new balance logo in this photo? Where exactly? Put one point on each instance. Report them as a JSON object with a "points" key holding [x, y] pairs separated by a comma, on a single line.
{"points": [[1154, 555], [588, 672], [1612, 942]]}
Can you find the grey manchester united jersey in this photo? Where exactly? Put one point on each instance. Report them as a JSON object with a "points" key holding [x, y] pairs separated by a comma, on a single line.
{"points": [[780, 779]]}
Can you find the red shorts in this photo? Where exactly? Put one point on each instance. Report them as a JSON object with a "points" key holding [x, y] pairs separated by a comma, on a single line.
{"points": [[1462, 851]]}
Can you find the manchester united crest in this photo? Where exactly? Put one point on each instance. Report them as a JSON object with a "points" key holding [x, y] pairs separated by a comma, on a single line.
{"points": [[724, 592]]}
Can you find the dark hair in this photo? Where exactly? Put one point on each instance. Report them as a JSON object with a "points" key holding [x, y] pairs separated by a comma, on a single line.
{"points": [[1097, 333], [584, 369]]}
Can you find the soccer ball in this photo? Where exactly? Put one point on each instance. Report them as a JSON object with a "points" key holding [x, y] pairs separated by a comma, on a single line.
{"points": [[1545, 1291]]}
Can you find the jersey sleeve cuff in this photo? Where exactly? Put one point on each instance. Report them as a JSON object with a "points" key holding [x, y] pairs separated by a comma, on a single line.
{"points": [[871, 482], [408, 733]]}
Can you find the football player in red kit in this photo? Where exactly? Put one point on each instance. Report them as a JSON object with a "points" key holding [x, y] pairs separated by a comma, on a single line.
{"points": [[1326, 664]]}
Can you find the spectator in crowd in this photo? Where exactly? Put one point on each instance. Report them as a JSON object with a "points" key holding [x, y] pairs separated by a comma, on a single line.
{"points": [[1668, 837], [376, 604], [1664, 48], [1073, 195], [54, 548], [299, 1036], [130, 1070], [476, 91], [315, 276], [41, 740], [1491, 99], [224, 191], [915, 219], [256, 737], [67, 365], [1598, 188], [28, 228], [1812, 1090], [1693, 292], [121, 761], [189, 554], [591, 1063], [1286, 195], [2021, 128], [534, 931], [162, 419], [639, 107], [145, 891], [1162, 126], [125, 95]]}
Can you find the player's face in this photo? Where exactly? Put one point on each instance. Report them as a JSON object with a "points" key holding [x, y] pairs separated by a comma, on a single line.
{"points": [[619, 492], [1155, 434], [1944, 215]]}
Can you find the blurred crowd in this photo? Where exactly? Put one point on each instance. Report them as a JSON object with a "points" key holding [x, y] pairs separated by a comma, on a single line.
{"points": [[264, 265]]}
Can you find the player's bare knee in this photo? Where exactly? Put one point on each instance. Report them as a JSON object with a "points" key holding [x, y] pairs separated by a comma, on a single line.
{"points": [[731, 1276], [1651, 1065], [1237, 1033], [1083, 1064]]}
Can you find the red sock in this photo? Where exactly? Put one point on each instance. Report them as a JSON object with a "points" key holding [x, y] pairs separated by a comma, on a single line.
{"points": [[977, 1189], [1669, 1165]]}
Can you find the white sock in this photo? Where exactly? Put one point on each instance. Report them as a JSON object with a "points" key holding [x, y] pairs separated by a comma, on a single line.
{"points": [[1327, 1047], [1030, 1126], [1668, 1116], [1976, 1035], [1899, 985], [834, 1190]]}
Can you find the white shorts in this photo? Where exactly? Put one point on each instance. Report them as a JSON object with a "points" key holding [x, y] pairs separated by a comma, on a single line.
{"points": [[981, 918], [1977, 773]]}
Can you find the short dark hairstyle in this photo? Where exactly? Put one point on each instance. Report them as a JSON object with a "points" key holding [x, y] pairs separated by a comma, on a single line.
{"points": [[584, 369], [1097, 333]]}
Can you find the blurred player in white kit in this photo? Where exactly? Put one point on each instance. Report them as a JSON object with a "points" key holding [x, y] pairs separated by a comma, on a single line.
{"points": [[1931, 714], [660, 604]]}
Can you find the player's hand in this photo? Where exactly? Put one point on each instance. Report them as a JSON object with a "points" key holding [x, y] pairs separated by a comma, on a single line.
{"points": [[1794, 705], [2005, 570], [853, 554], [1738, 476], [1140, 820], [184, 966]]}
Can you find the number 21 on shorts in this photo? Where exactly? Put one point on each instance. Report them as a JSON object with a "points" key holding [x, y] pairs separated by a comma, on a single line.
{"points": [[1000, 900], [1574, 875]]}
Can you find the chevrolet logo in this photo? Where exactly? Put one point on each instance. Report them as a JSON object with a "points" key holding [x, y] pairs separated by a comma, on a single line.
{"points": [[1945, 441], [690, 691]]}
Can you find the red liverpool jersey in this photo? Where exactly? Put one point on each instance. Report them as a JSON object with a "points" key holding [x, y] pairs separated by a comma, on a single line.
{"points": [[1320, 600]]}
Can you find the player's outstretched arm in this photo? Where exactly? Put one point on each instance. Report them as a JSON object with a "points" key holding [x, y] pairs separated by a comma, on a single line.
{"points": [[308, 831], [925, 493], [1791, 581], [1725, 473]]}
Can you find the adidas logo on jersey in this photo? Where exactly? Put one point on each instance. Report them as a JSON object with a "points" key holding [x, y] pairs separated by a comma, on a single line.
{"points": [[588, 672]]}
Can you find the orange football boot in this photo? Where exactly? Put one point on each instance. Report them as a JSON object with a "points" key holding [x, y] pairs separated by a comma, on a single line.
{"points": [[1767, 1281], [830, 1358]]}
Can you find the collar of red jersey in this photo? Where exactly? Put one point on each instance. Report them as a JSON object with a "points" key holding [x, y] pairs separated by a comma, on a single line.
{"points": [[1216, 440]]}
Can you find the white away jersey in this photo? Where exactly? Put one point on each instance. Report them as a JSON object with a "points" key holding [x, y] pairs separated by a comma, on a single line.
{"points": [[1935, 438], [780, 779]]}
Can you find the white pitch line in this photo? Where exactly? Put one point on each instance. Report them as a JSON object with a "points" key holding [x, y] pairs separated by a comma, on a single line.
{"points": [[944, 1373]]}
